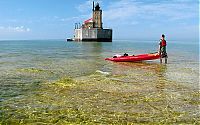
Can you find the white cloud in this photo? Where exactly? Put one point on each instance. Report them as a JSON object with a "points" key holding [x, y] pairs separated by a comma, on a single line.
{"points": [[133, 9], [138, 11], [134, 23], [69, 19], [169, 10], [14, 29], [75, 19], [1, 27], [28, 29], [87, 5], [120, 10]]}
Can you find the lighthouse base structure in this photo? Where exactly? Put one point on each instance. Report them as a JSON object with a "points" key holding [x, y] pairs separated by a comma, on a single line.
{"points": [[94, 34]]}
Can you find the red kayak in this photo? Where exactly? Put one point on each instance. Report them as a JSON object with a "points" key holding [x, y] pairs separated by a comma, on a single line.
{"points": [[141, 57]]}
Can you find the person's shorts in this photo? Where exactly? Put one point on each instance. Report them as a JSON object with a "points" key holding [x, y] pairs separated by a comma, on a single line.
{"points": [[163, 52]]}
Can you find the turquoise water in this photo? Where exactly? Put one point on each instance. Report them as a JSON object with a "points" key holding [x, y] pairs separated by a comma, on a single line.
{"points": [[41, 78]]}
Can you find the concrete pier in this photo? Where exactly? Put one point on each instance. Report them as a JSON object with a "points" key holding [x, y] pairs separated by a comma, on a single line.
{"points": [[95, 34]]}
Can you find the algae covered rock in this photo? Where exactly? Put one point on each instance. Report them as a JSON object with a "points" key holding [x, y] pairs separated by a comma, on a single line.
{"points": [[65, 82]]}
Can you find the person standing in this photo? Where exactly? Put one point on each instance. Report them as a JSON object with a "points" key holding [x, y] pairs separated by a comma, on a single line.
{"points": [[162, 49]]}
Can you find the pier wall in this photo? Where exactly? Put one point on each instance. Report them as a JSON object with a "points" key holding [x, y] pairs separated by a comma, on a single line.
{"points": [[89, 33], [104, 34], [78, 34], [101, 35]]}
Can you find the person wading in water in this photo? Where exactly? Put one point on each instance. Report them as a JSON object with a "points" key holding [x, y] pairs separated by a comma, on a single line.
{"points": [[162, 49]]}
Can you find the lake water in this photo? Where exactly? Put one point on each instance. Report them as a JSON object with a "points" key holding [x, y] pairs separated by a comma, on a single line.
{"points": [[53, 81]]}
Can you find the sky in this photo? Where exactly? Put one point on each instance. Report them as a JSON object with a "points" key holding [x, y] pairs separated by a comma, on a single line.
{"points": [[129, 19]]}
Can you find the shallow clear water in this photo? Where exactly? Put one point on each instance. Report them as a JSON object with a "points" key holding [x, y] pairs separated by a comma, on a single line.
{"points": [[53, 81]]}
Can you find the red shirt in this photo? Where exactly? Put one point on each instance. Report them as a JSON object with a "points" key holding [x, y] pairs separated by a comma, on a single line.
{"points": [[163, 43]]}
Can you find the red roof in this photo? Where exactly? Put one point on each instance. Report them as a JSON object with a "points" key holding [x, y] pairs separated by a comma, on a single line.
{"points": [[88, 21]]}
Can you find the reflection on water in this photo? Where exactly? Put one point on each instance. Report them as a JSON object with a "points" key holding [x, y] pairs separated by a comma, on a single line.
{"points": [[55, 82]]}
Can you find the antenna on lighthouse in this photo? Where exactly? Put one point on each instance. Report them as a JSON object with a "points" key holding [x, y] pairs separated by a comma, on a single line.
{"points": [[93, 6]]}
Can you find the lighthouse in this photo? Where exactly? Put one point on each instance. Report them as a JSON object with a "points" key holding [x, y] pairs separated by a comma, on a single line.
{"points": [[97, 16], [92, 28]]}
